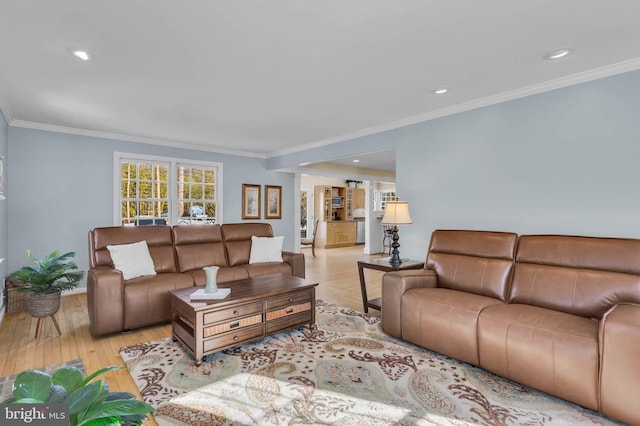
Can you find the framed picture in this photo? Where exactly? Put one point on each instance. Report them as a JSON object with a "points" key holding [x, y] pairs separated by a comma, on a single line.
{"points": [[273, 202], [250, 201]]}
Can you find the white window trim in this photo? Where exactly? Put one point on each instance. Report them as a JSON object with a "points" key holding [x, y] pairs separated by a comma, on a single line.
{"points": [[173, 179]]}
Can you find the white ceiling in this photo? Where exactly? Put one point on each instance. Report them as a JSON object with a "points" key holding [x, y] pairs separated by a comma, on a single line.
{"points": [[270, 77]]}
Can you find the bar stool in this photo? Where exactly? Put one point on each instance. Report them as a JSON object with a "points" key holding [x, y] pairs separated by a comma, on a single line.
{"points": [[387, 233]]}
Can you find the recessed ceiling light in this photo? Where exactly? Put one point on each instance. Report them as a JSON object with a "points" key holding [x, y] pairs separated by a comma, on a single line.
{"points": [[356, 161], [441, 91], [557, 54], [81, 54], [304, 164]]}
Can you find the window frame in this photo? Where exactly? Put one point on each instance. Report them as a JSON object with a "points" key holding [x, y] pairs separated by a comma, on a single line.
{"points": [[172, 174]]}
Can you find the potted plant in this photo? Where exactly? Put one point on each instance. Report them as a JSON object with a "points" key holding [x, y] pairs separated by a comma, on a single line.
{"points": [[47, 280], [89, 402]]}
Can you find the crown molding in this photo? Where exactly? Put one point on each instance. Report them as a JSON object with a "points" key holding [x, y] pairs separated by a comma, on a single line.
{"points": [[558, 83], [5, 110], [128, 138]]}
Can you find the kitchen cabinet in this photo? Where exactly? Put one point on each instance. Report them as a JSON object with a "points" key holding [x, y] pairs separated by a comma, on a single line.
{"points": [[333, 202], [358, 198], [334, 207], [340, 234]]}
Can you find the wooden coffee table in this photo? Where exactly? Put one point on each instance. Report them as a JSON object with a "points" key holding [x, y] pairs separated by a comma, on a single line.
{"points": [[256, 307]]}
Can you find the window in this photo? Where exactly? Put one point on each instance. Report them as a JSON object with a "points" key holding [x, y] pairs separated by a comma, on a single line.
{"points": [[380, 199], [166, 191], [196, 194]]}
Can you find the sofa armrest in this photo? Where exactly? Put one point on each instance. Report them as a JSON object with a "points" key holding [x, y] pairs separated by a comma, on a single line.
{"points": [[296, 260], [105, 299], [619, 368], [394, 285]]}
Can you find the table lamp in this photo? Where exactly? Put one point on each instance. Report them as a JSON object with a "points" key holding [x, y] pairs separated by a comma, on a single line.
{"points": [[396, 213]]}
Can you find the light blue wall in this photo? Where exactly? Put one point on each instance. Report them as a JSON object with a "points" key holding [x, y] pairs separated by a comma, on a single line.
{"points": [[4, 221], [62, 186], [564, 161]]}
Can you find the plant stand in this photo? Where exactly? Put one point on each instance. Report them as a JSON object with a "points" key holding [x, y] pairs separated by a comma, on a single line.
{"points": [[42, 306], [40, 325]]}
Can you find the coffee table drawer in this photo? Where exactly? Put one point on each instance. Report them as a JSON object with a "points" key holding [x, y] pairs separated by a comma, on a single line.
{"points": [[235, 312], [234, 324], [289, 310], [230, 338], [288, 322], [290, 299]]}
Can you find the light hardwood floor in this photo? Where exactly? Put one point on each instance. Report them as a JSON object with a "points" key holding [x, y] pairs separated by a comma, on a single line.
{"points": [[335, 270]]}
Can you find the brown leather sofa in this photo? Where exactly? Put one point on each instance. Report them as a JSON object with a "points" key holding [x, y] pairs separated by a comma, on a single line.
{"points": [[179, 253], [557, 313]]}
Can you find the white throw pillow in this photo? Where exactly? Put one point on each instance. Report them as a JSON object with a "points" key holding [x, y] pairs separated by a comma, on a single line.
{"points": [[266, 249], [133, 260]]}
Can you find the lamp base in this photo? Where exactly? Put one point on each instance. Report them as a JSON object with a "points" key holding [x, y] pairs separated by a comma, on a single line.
{"points": [[395, 260]]}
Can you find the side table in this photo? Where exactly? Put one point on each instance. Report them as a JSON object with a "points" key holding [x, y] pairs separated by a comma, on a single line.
{"points": [[380, 264]]}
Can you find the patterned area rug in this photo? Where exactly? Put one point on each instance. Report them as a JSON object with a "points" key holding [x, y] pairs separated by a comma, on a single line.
{"points": [[6, 383], [347, 372]]}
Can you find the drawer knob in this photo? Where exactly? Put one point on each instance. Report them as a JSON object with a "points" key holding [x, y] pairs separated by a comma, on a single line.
{"points": [[290, 299], [235, 338], [236, 313], [288, 310]]}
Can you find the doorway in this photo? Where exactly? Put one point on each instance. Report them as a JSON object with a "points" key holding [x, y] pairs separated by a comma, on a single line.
{"points": [[306, 211]]}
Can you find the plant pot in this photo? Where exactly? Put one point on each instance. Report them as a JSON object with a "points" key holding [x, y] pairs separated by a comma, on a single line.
{"points": [[43, 305]]}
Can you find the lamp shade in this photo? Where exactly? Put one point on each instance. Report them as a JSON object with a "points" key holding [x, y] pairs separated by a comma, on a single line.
{"points": [[397, 213]]}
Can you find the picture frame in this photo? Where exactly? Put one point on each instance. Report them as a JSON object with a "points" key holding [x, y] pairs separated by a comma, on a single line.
{"points": [[251, 202], [272, 202]]}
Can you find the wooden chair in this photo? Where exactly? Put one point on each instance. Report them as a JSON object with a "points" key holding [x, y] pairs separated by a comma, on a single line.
{"points": [[311, 242]]}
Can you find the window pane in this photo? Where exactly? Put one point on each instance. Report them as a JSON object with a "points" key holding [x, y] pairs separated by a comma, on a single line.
{"points": [[210, 209], [196, 192], [144, 171], [129, 170], [129, 188], [162, 173], [129, 209], [209, 192], [145, 190], [196, 175], [146, 208], [209, 176]]}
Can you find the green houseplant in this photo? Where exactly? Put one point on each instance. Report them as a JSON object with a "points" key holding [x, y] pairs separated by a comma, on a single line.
{"points": [[47, 280], [90, 402]]}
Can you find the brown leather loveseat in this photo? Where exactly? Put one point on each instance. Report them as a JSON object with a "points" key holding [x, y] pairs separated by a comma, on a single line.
{"points": [[179, 253], [558, 313]]}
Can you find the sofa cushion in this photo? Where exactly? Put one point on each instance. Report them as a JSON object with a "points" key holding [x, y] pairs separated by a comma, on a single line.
{"points": [[132, 259], [584, 276], [199, 246], [444, 320], [259, 269], [158, 240], [266, 249], [226, 274], [552, 351], [237, 238], [147, 300], [479, 262]]}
